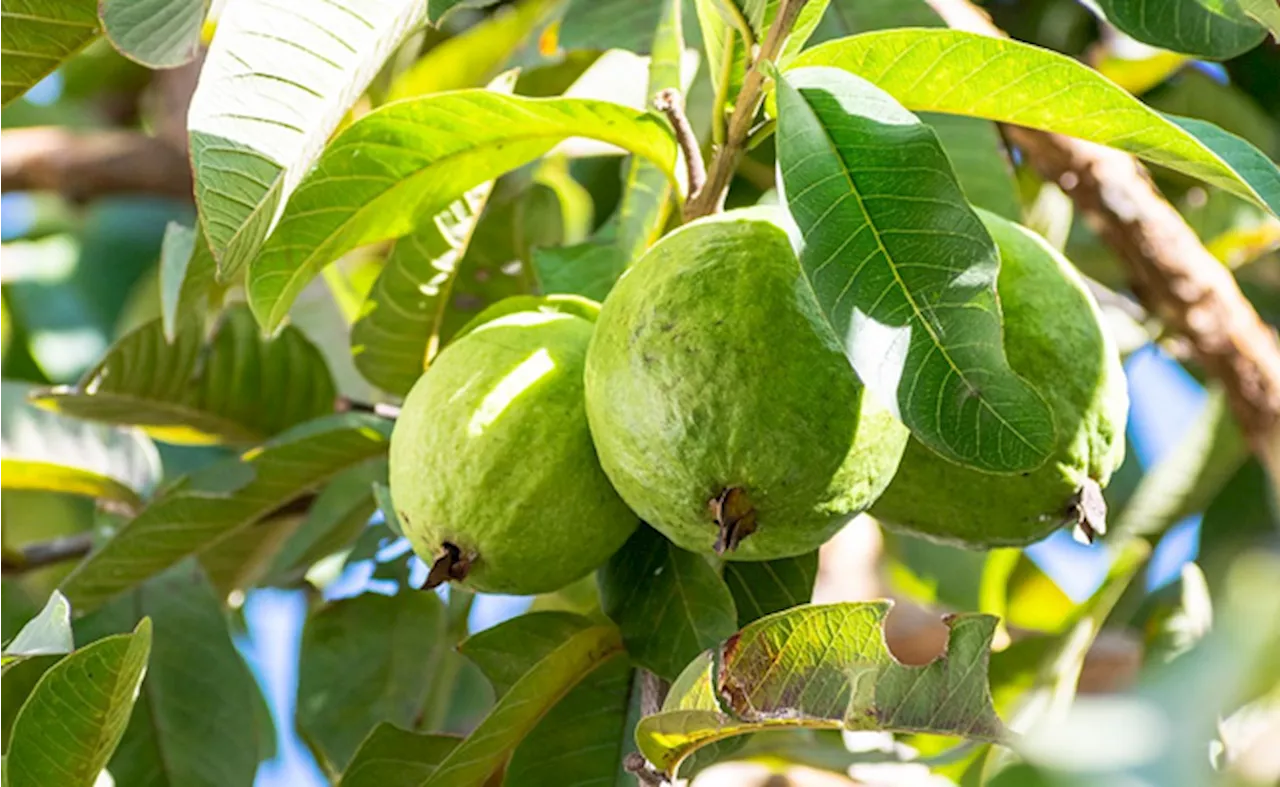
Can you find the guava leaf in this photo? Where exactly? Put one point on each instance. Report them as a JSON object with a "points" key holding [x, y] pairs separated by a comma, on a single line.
{"points": [[275, 84], [610, 24], [366, 660], [392, 757], [669, 604], [240, 561], [436, 9], [44, 450], [725, 26], [194, 722], [187, 277], [339, 514], [1008, 81], [52, 747], [411, 159], [1264, 12], [20, 679], [155, 33], [1215, 29], [764, 587], [489, 746], [1188, 478], [39, 35], [904, 270], [824, 667], [238, 388], [398, 330], [215, 502], [47, 634], [507, 651]]}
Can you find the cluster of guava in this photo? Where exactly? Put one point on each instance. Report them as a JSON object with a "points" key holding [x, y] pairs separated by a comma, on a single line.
{"points": [[709, 398]]}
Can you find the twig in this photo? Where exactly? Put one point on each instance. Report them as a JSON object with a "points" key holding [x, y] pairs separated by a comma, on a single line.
{"points": [[345, 404], [84, 166], [46, 553], [1168, 267], [710, 199], [670, 103], [646, 775]]}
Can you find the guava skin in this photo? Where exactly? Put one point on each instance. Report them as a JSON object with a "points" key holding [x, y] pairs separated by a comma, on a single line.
{"points": [[712, 369], [1054, 339], [492, 454]]}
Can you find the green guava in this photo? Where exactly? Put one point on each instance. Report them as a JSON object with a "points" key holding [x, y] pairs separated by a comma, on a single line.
{"points": [[1054, 339], [723, 408], [493, 473]]}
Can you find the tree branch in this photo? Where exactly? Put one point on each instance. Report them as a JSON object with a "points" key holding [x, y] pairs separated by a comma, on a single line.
{"points": [[88, 165], [46, 553], [710, 199], [1168, 267], [670, 103]]}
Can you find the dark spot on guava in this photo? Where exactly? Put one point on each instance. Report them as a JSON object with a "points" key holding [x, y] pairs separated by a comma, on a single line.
{"points": [[450, 565], [734, 516], [667, 327]]}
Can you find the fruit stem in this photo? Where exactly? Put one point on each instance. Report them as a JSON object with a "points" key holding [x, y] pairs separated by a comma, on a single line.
{"points": [[451, 565], [734, 516]]}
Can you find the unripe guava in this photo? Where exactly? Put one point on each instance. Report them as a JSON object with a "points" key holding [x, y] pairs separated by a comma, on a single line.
{"points": [[1054, 339], [722, 406], [493, 472]]}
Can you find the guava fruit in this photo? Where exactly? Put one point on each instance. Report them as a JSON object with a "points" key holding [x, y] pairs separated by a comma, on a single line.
{"points": [[722, 406], [493, 473], [1054, 339]]}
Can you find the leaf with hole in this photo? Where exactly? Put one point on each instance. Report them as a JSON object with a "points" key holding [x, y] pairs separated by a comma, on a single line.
{"points": [[50, 747], [201, 509], [411, 159], [824, 667], [668, 603], [194, 722], [904, 270], [155, 33], [275, 84], [237, 388], [1216, 29], [44, 450], [1011, 82], [39, 35]]}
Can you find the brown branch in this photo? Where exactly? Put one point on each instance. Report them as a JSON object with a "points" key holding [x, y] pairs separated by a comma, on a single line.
{"points": [[88, 165], [46, 553], [1168, 267], [710, 199], [670, 103]]}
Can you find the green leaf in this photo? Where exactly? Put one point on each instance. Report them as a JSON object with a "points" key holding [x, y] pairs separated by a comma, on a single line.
{"points": [[1244, 516], [43, 450], [968, 74], [587, 269], [339, 514], [240, 561], [187, 278], [476, 55], [610, 24], [1187, 479], [1265, 13], [20, 679], [583, 738], [366, 660], [238, 388], [201, 509], [71, 723], [824, 667], [39, 35], [904, 270], [155, 33], [275, 84], [484, 752], [411, 159], [47, 634], [392, 757], [765, 587], [1216, 29], [194, 720], [980, 162], [398, 330], [510, 649], [669, 604], [436, 9]]}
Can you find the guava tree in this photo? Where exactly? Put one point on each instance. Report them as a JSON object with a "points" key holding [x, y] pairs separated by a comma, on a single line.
{"points": [[698, 332]]}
